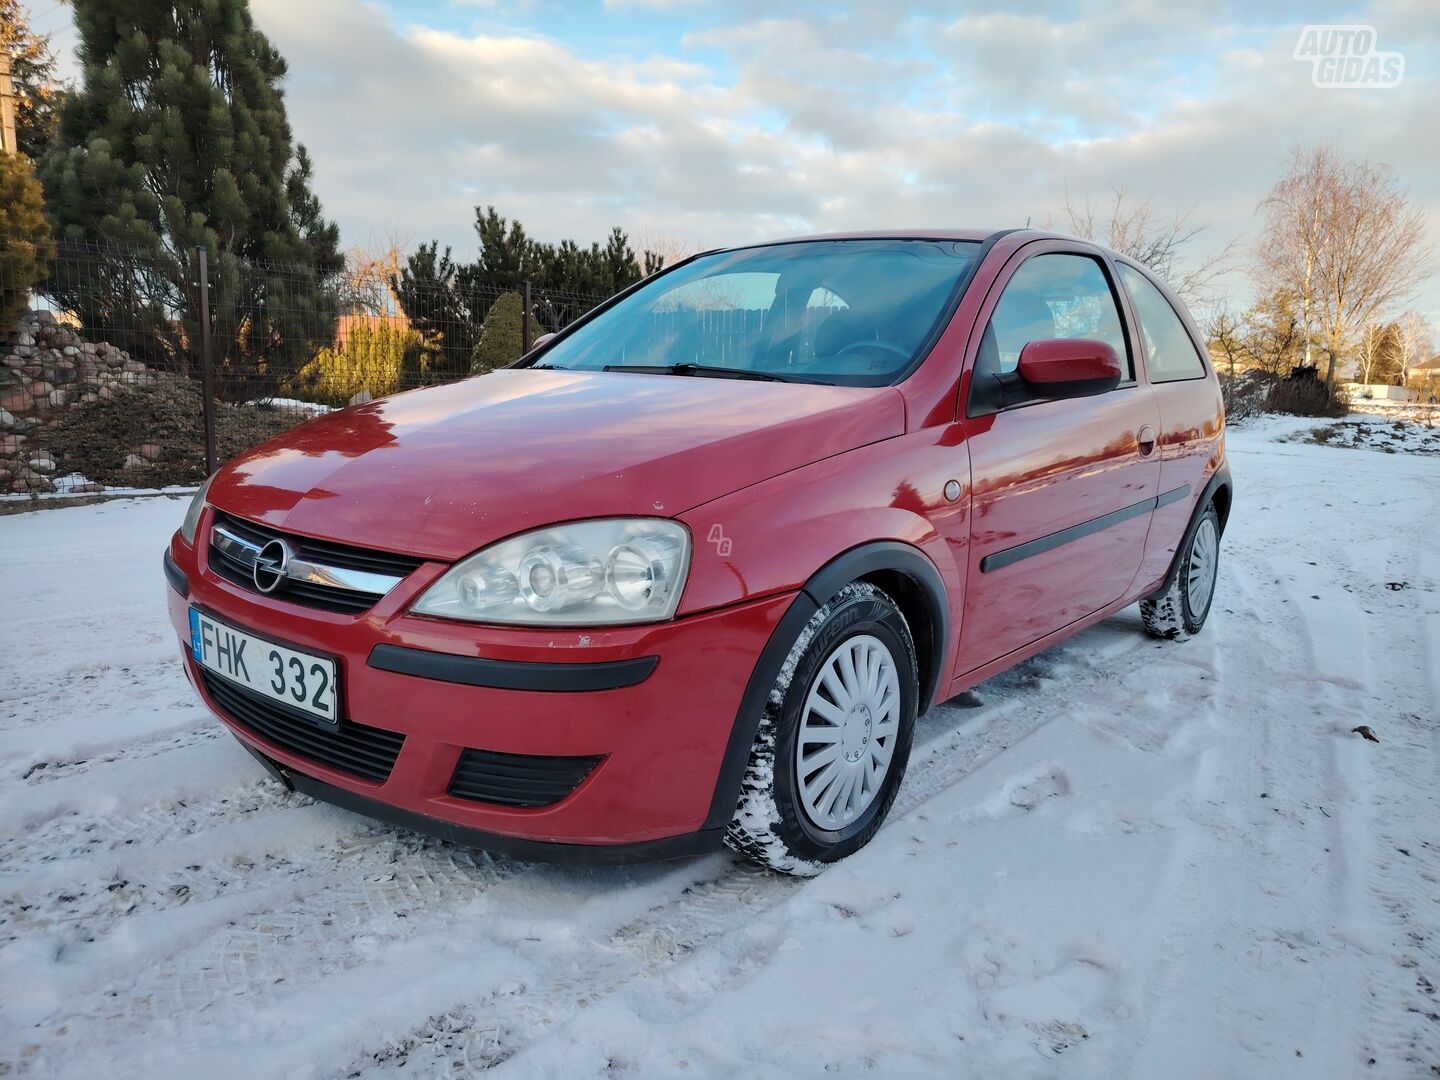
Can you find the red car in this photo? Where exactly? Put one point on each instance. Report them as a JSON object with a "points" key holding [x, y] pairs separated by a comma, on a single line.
{"points": [[687, 572]]}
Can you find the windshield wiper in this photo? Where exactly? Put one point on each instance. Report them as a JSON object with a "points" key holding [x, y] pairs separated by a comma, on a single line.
{"points": [[704, 371], [547, 367]]}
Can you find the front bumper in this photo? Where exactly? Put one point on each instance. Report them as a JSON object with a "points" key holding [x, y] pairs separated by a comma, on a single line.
{"points": [[661, 740]]}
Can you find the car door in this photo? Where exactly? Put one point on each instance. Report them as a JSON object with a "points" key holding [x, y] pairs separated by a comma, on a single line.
{"points": [[1190, 422], [1061, 489]]}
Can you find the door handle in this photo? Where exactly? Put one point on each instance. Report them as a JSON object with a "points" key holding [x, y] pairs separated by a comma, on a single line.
{"points": [[1146, 438]]}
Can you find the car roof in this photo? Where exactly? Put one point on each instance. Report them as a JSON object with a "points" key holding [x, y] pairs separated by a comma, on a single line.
{"points": [[970, 235]]}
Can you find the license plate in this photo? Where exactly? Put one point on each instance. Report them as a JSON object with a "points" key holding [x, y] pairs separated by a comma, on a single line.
{"points": [[286, 676]]}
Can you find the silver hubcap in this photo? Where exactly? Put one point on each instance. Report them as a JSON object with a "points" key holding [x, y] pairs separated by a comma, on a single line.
{"points": [[847, 732], [1203, 560]]}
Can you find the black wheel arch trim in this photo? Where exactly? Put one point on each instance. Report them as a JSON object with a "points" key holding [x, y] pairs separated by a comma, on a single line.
{"points": [[859, 562], [512, 674], [1219, 479]]}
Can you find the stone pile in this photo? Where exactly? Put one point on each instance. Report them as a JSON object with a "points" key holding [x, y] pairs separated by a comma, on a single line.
{"points": [[45, 369]]}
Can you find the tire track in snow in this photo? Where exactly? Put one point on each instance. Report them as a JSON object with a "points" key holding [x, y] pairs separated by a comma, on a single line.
{"points": [[74, 835], [44, 770], [1261, 804], [339, 905], [1403, 999], [496, 1023]]}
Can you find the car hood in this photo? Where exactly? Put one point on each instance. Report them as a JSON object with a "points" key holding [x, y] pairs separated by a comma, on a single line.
{"points": [[443, 471]]}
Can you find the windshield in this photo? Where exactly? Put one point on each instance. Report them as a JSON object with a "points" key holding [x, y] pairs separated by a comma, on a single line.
{"points": [[850, 312]]}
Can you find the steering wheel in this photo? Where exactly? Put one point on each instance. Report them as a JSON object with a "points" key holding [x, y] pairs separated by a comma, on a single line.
{"points": [[875, 343]]}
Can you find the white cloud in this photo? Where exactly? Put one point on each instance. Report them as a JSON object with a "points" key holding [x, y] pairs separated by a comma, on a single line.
{"points": [[870, 119]]}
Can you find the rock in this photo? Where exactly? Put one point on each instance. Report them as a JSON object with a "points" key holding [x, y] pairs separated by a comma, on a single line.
{"points": [[24, 351], [10, 445], [149, 451], [133, 462], [40, 389], [57, 399], [44, 461], [7, 420], [70, 350], [16, 401], [361, 397]]}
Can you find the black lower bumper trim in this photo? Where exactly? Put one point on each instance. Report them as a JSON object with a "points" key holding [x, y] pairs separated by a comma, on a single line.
{"points": [[175, 576], [669, 847], [512, 674]]}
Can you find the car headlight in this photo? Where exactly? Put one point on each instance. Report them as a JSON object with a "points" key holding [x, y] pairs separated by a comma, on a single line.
{"points": [[192, 515], [590, 573]]}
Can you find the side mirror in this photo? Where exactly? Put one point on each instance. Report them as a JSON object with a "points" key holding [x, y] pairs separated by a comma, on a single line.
{"points": [[541, 340], [1070, 367]]}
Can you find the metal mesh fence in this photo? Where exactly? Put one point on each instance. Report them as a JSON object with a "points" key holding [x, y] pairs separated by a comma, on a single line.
{"points": [[104, 372]]}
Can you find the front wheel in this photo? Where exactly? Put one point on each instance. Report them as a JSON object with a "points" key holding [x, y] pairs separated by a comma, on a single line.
{"points": [[1180, 609], [834, 740]]}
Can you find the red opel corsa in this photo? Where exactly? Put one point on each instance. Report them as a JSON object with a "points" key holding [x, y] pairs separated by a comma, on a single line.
{"points": [[688, 571]]}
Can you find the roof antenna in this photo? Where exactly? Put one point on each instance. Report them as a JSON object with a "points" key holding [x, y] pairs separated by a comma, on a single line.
{"points": [[1027, 221]]}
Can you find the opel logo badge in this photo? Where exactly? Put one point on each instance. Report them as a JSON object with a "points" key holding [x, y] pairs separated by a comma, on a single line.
{"points": [[271, 566]]}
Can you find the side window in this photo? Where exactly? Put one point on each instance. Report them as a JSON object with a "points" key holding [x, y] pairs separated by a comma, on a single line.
{"points": [[1170, 355], [1050, 296]]}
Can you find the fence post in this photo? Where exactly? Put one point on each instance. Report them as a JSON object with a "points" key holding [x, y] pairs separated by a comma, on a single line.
{"points": [[207, 361], [525, 331]]}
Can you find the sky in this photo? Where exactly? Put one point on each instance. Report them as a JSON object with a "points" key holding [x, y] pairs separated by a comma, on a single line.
{"points": [[696, 124]]}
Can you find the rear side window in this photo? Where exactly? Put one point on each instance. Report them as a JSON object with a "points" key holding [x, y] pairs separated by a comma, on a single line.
{"points": [[1170, 355]]}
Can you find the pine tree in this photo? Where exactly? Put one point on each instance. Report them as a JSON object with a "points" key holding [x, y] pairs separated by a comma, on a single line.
{"points": [[178, 139], [32, 70], [25, 245], [502, 336]]}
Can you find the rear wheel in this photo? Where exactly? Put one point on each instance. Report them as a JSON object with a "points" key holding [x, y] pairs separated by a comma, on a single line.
{"points": [[1180, 609], [834, 740]]}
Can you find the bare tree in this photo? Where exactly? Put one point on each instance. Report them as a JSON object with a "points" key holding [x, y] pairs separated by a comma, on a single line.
{"points": [[1132, 228], [1343, 237], [1274, 336], [371, 271], [659, 250], [1225, 339], [1415, 342], [1375, 357]]}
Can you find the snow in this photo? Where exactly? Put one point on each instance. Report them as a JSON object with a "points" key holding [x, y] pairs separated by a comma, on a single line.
{"points": [[310, 408], [1125, 858]]}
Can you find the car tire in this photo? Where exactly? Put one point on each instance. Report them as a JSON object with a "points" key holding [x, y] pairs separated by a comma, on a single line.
{"points": [[1180, 609], [846, 698]]}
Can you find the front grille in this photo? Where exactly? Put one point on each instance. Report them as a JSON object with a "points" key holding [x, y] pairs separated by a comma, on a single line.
{"points": [[366, 752], [517, 779], [340, 556]]}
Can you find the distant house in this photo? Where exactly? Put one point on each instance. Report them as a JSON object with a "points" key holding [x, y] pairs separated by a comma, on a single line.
{"points": [[1425, 378], [348, 324]]}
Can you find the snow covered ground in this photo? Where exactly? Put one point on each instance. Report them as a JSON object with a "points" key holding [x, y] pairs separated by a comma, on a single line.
{"points": [[1124, 859]]}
